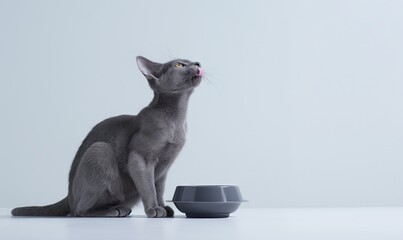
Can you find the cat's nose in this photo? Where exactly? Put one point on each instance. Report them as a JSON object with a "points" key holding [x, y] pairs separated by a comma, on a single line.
{"points": [[200, 71]]}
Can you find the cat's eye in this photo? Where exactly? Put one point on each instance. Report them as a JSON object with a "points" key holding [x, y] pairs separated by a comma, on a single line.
{"points": [[178, 65]]}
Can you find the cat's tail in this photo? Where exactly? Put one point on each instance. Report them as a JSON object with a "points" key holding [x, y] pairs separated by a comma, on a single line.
{"points": [[60, 208]]}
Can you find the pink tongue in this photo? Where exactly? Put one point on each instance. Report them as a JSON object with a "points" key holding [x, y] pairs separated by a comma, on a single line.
{"points": [[201, 72]]}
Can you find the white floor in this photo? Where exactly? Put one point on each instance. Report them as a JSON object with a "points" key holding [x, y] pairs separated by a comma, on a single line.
{"points": [[319, 223]]}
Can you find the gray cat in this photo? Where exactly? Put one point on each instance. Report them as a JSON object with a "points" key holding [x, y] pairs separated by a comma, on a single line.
{"points": [[126, 158]]}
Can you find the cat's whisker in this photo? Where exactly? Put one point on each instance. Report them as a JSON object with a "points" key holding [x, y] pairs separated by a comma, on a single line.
{"points": [[170, 55], [210, 76], [209, 82]]}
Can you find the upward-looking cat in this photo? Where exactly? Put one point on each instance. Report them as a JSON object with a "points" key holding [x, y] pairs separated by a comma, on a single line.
{"points": [[126, 158]]}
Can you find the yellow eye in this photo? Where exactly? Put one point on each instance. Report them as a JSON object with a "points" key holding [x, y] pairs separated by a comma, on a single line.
{"points": [[179, 65]]}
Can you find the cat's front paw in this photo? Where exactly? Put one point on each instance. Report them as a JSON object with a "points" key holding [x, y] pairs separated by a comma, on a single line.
{"points": [[156, 212]]}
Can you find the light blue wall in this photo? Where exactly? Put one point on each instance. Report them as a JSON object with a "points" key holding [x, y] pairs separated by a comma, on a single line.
{"points": [[303, 106]]}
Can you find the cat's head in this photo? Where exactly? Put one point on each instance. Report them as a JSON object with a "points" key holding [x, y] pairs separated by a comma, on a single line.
{"points": [[175, 76]]}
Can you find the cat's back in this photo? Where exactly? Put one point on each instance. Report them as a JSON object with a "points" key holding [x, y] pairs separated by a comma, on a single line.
{"points": [[115, 131], [117, 122]]}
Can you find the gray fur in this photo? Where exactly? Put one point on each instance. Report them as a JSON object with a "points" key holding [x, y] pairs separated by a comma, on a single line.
{"points": [[126, 158]]}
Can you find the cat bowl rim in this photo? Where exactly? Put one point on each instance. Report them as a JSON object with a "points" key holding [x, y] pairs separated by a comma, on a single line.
{"points": [[209, 187]]}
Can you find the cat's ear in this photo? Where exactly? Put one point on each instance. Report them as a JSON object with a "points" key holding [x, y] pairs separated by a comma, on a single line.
{"points": [[150, 70]]}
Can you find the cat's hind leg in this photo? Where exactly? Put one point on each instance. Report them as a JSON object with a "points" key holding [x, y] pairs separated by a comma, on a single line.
{"points": [[97, 189]]}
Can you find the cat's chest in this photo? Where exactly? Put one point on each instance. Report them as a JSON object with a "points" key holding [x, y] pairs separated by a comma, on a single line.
{"points": [[171, 143], [159, 141], [173, 138], [175, 133], [168, 138]]}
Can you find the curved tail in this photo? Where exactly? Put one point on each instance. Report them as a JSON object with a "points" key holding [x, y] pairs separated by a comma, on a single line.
{"points": [[60, 208]]}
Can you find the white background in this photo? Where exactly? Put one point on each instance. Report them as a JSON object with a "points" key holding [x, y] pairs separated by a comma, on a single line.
{"points": [[303, 106]]}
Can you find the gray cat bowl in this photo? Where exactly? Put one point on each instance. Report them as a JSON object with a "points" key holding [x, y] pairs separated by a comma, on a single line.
{"points": [[207, 201]]}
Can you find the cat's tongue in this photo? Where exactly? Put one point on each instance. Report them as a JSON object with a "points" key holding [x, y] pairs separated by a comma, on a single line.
{"points": [[200, 72]]}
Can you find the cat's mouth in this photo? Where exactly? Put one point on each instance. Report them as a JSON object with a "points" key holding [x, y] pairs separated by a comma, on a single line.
{"points": [[195, 76], [199, 73]]}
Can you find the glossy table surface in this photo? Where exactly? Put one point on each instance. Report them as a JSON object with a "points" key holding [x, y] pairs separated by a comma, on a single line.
{"points": [[246, 223]]}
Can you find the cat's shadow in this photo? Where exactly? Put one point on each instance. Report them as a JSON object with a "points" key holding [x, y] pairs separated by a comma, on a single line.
{"points": [[64, 217], [143, 216]]}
